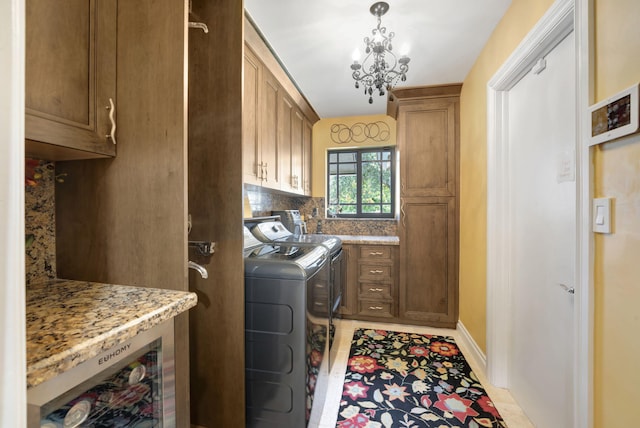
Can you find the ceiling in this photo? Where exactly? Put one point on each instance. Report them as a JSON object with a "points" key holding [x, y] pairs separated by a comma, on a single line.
{"points": [[315, 40]]}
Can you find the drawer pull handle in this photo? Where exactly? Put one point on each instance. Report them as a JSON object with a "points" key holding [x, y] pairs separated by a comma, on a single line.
{"points": [[375, 289], [375, 253], [112, 111], [375, 308], [376, 272]]}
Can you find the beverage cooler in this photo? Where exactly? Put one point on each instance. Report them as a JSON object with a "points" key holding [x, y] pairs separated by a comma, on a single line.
{"points": [[131, 384]]}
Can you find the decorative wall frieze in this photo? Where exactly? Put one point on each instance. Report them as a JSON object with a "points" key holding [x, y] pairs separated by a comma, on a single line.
{"points": [[360, 132]]}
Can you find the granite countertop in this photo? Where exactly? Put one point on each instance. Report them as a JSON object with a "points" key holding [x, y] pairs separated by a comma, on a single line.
{"points": [[369, 240], [69, 322]]}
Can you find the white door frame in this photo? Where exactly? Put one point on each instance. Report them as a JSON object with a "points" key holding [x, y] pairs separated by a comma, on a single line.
{"points": [[13, 360], [562, 17]]}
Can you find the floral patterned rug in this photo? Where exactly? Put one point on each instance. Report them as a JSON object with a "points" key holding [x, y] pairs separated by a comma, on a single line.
{"points": [[411, 380]]}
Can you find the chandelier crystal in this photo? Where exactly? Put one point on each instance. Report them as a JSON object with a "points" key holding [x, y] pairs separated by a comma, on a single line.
{"points": [[378, 69]]}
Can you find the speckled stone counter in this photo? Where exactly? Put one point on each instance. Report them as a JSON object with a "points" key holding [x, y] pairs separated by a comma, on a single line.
{"points": [[369, 240], [69, 322]]}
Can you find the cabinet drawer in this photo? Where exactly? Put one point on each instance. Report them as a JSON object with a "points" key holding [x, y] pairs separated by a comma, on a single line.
{"points": [[371, 271], [375, 309], [375, 252], [375, 291]]}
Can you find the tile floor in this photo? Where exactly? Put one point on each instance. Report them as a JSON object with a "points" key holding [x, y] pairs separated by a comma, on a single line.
{"points": [[509, 409]]}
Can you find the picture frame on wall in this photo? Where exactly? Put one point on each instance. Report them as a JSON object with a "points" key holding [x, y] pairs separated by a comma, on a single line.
{"points": [[615, 117]]}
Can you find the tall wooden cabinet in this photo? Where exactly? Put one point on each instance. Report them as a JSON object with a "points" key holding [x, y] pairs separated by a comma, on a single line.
{"points": [[428, 135], [70, 76]]}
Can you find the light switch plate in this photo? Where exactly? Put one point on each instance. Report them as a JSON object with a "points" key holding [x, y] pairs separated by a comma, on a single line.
{"points": [[601, 215]]}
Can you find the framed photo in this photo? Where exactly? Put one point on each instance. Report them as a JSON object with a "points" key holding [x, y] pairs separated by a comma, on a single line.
{"points": [[615, 117]]}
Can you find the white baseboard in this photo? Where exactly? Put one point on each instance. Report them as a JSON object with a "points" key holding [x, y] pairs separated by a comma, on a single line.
{"points": [[472, 346]]}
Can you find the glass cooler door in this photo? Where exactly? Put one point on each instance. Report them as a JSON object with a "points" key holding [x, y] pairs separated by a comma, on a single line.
{"points": [[127, 394]]}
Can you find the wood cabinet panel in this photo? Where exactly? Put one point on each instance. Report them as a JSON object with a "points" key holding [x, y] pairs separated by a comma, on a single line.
{"points": [[70, 76], [427, 133], [297, 148], [250, 125], [428, 261], [307, 135], [215, 203], [349, 304], [269, 153], [285, 113]]}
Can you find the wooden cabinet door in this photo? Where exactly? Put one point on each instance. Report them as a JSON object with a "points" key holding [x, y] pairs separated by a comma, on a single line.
{"points": [[428, 261], [427, 132], [269, 130], [297, 149], [285, 112], [349, 303], [251, 167], [306, 155], [70, 76]]}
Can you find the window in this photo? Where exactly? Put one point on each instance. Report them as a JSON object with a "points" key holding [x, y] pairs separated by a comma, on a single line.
{"points": [[361, 183]]}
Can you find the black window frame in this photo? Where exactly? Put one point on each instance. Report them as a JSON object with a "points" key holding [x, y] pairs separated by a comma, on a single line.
{"points": [[359, 155]]}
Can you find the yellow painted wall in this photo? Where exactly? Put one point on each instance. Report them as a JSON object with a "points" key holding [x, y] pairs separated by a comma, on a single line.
{"points": [[617, 175], [617, 256], [327, 131], [520, 18]]}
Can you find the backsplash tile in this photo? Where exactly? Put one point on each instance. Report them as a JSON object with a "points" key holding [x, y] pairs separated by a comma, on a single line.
{"points": [[40, 225], [263, 201]]}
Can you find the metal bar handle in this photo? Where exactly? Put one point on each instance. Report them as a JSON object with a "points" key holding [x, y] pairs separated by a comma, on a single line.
{"points": [[375, 253], [375, 289], [376, 272], [403, 213], [375, 308], [112, 110]]}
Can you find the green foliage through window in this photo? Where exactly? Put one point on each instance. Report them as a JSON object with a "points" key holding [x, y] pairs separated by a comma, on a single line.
{"points": [[361, 183]]}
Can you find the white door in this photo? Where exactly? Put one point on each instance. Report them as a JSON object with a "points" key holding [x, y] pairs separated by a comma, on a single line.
{"points": [[541, 134]]}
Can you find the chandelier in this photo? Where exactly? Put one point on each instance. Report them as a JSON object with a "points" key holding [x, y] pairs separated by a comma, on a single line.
{"points": [[378, 69]]}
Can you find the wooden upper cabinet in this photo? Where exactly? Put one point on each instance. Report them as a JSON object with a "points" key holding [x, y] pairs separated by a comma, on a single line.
{"points": [[70, 76], [285, 112], [427, 141], [277, 122], [269, 93], [297, 149], [307, 135], [251, 162]]}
